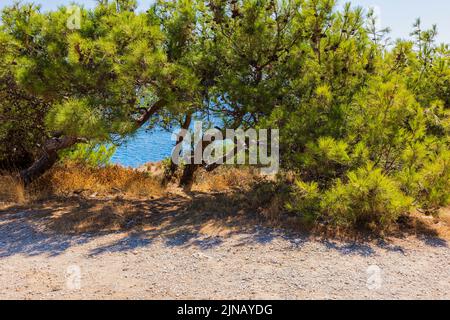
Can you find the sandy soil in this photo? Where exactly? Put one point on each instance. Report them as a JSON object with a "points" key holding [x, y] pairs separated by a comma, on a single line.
{"points": [[49, 251]]}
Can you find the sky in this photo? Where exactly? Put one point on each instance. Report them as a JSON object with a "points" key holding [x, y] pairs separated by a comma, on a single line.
{"points": [[399, 15]]}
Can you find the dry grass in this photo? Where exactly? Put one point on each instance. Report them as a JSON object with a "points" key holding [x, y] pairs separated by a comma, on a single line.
{"points": [[225, 179], [221, 202], [441, 223], [12, 190], [230, 193], [68, 179], [71, 178], [169, 216], [419, 224], [274, 210]]}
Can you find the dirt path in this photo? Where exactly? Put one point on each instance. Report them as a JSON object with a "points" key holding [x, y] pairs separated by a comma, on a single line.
{"points": [[170, 262]]}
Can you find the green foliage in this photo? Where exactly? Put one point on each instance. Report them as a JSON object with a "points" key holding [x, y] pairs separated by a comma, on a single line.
{"points": [[90, 154], [429, 183], [75, 118], [305, 200], [326, 158], [434, 183], [366, 198], [21, 114]]}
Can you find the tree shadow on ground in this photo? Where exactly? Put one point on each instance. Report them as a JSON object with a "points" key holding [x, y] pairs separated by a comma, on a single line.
{"points": [[203, 220]]}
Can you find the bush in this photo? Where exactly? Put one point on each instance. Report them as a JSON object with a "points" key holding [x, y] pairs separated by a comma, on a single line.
{"points": [[368, 198], [305, 200], [433, 185], [387, 159], [326, 159], [91, 155]]}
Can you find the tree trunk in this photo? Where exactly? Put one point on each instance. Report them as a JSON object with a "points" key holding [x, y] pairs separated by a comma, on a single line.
{"points": [[48, 158], [187, 179], [173, 166], [42, 165]]}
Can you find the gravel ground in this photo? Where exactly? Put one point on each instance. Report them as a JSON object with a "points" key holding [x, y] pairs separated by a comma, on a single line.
{"points": [[262, 264]]}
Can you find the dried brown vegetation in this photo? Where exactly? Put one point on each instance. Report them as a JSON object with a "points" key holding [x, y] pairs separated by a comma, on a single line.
{"points": [[12, 190], [68, 179], [79, 199]]}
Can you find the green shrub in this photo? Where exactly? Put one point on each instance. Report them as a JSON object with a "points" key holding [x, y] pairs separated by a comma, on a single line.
{"points": [[368, 198], [90, 154], [365, 198], [387, 159], [325, 159], [434, 183], [305, 200]]}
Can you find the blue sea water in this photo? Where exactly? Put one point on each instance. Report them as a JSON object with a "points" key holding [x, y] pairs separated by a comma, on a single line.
{"points": [[143, 147], [149, 146]]}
